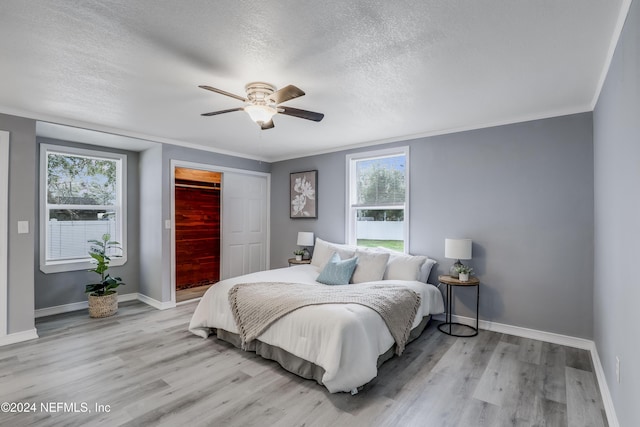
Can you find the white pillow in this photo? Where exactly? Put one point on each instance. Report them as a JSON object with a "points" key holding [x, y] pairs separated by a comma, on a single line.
{"points": [[321, 253], [323, 250], [404, 267], [371, 266], [425, 270]]}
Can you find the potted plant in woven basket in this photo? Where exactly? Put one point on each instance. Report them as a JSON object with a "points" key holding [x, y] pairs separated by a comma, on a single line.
{"points": [[103, 298]]}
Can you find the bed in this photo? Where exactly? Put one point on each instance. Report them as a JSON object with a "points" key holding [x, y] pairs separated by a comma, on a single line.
{"points": [[338, 345]]}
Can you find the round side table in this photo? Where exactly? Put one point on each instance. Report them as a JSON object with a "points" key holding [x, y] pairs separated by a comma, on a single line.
{"points": [[293, 261], [451, 282]]}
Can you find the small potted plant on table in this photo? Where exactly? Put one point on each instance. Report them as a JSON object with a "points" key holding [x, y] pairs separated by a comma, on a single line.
{"points": [[464, 272], [103, 298], [298, 253]]}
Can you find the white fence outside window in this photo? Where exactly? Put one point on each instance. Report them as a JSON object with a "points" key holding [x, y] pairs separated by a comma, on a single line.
{"points": [[380, 230], [68, 239]]}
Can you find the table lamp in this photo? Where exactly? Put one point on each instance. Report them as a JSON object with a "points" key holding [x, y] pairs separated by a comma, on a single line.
{"points": [[305, 239], [457, 249]]}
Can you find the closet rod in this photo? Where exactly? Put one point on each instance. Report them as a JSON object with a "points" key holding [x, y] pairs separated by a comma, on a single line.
{"points": [[197, 186]]}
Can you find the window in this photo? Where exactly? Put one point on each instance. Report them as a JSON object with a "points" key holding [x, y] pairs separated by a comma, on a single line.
{"points": [[82, 194], [377, 202]]}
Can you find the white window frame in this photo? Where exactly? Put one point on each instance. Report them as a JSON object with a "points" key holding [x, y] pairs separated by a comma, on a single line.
{"points": [[121, 210], [350, 214]]}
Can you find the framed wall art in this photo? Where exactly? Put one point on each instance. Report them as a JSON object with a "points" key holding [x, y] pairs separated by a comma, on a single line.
{"points": [[303, 194]]}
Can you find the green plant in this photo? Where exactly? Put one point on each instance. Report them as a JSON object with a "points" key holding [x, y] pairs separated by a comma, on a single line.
{"points": [[98, 252], [298, 252], [464, 269]]}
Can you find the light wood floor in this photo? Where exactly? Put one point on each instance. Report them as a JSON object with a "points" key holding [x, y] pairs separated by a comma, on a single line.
{"points": [[150, 370], [191, 293]]}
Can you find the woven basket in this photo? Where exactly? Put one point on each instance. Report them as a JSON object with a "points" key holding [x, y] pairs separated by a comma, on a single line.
{"points": [[103, 306]]}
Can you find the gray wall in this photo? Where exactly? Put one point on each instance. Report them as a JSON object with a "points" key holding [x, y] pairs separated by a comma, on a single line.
{"points": [[148, 266], [22, 199], [55, 289], [617, 221], [528, 190], [151, 229], [28, 287]]}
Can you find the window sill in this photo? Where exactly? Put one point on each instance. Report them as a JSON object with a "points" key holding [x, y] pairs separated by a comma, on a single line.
{"points": [[61, 267]]}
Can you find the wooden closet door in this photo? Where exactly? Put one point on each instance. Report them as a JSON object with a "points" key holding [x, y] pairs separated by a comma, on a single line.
{"points": [[197, 222]]}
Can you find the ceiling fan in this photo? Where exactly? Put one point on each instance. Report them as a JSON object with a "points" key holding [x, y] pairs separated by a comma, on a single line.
{"points": [[263, 102]]}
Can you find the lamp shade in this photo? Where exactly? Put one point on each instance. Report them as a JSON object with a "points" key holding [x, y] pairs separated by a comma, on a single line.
{"points": [[457, 248], [305, 238]]}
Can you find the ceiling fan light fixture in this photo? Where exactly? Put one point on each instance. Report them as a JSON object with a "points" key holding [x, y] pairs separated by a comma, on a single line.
{"points": [[263, 102], [260, 113]]}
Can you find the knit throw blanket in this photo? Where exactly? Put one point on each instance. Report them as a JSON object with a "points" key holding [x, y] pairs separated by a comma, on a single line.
{"points": [[256, 306]]}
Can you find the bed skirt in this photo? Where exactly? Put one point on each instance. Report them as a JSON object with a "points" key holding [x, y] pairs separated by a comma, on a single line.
{"points": [[299, 366]]}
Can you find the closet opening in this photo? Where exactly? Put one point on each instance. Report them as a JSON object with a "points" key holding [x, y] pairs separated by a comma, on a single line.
{"points": [[197, 231]]}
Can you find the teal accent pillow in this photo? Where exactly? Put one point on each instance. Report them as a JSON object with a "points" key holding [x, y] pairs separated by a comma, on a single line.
{"points": [[337, 271]]}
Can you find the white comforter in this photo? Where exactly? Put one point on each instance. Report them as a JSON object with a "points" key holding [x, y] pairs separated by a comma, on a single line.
{"points": [[344, 339]]}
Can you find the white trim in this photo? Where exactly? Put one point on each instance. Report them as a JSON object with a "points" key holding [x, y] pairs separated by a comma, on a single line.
{"points": [[350, 226], [340, 145], [82, 305], [172, 232], [519, 331], [122, 132], [17, 337], [188, 301], [350, 145], [212, 168], [59, 309], [615, 37], [4, 237], [77, 264], [155, 303], [554, 338], [75, 306], [612, 418]]}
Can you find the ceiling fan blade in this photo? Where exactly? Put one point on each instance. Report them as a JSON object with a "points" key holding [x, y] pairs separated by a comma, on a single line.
{"points": [[286, 93], [222, 92], [215, 113], [303, 114], [267, 125]]}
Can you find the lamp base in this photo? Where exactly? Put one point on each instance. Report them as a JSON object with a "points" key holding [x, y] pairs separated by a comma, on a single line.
{"points": [[453, 271]]}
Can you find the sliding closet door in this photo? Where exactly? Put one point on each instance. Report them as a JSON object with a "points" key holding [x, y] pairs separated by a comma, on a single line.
{"points": [[244, 223]]}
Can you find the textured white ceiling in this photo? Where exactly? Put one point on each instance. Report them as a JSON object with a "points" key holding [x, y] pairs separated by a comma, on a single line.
{"points": [[378, 70]]}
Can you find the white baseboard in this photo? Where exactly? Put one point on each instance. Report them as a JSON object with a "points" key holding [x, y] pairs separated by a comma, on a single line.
{"points": [[155, 303], [553, 338], [612, 418], [58, 309], [523, 332], [82, 305], [18, 337], [128, 297], [188, 301]]}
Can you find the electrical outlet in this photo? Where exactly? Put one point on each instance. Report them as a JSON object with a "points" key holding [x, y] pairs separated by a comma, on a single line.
{"points": [[618, 368]]}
